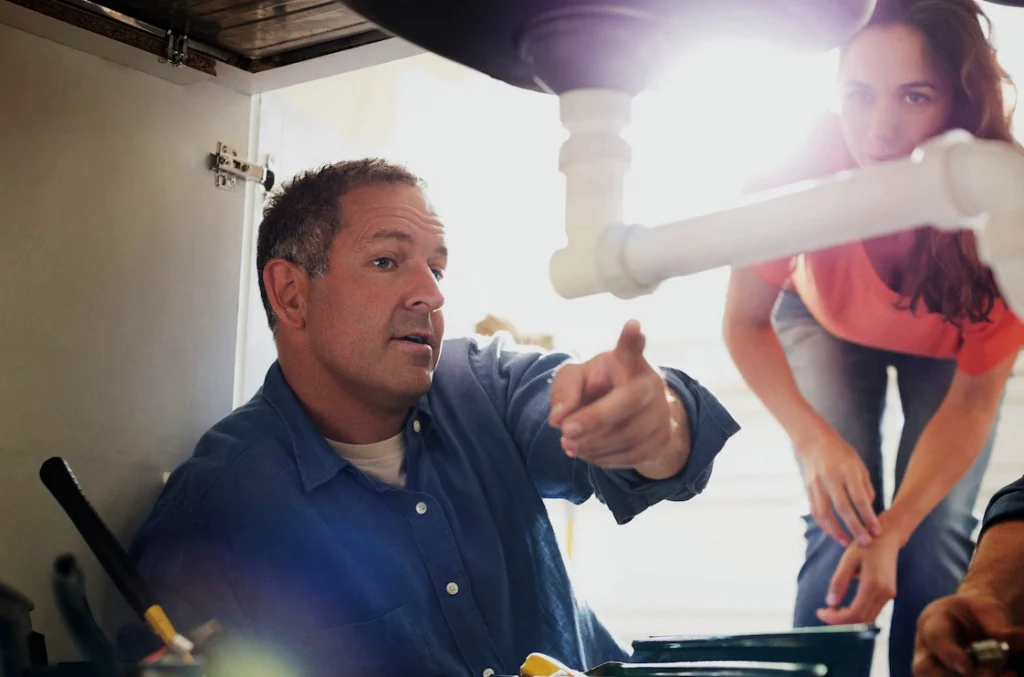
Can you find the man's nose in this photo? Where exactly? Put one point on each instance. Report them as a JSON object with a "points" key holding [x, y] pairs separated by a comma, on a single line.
{"points": [[426, 294]]}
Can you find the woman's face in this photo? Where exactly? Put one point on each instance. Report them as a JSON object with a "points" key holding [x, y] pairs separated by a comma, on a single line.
{"points": [[892, 98]]}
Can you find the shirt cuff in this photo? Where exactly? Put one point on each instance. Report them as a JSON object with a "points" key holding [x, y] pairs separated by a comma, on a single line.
{"points": [[710, 428], [1006, 505]]}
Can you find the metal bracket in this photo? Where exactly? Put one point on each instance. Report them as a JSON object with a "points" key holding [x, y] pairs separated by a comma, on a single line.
{"points": [[230, 167], [177, 49]]}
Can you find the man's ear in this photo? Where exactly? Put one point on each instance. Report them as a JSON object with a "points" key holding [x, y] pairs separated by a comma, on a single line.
{"points": [[287, 288]]}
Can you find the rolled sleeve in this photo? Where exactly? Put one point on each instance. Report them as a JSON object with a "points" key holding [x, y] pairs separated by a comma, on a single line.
{"points": [[519, 385], [627, 493], [1006, 505]]}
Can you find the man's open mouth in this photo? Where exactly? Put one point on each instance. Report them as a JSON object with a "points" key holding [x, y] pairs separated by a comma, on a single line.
{"points": [[413, 338]]}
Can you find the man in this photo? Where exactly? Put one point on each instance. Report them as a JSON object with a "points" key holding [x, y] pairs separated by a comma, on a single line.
{"points": [[989, 603], [377, 510]]}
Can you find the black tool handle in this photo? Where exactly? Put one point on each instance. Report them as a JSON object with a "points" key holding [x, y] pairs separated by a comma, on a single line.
{"points": [[57, 476], [68, 583]]}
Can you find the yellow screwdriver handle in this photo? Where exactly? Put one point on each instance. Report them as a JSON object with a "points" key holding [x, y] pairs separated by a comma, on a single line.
{"points": [[539, 665]]}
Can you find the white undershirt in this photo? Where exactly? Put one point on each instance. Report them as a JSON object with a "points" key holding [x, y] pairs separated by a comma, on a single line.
{"points": [[383, 461]]}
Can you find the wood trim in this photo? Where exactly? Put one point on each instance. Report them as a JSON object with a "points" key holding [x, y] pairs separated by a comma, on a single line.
{"points": [[116, 31]]}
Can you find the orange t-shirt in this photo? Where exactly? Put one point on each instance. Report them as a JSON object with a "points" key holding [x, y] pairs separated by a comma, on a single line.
{"points": [[844, 293], [846, 296]]}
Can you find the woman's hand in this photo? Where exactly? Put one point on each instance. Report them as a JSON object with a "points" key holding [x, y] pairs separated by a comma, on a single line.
{"points": [[875, 568], [836, 476]]}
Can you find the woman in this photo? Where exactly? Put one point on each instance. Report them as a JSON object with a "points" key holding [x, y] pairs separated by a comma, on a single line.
{"points": [[920, 302]]}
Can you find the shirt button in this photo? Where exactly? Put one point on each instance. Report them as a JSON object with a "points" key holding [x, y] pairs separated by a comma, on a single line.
{"points": [[416, 425], [452, 588], [421, 508], [488, 673]]}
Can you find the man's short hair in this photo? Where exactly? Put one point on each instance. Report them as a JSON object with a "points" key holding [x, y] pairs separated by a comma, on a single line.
{"points": [[301, 220]]}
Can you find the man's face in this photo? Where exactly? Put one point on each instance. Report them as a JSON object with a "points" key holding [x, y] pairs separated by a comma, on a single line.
{"points": [[374, 318]]}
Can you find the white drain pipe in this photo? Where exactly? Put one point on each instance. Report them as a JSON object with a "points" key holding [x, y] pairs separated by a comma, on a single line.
{"points": [[953, 181]]}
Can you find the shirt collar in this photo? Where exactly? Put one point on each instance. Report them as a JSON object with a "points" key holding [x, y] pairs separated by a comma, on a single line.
{"points": [[316, 460], [422, 412]]}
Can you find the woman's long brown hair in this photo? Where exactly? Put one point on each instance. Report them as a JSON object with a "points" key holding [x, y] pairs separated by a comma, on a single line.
{"points": [[944, 271]]}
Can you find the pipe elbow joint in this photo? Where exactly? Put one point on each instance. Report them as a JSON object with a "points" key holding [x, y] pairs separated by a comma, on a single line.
{"points": [[595, 265]]}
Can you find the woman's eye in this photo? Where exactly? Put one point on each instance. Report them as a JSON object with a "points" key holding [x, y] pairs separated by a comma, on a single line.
{"points": [[917, 98]]}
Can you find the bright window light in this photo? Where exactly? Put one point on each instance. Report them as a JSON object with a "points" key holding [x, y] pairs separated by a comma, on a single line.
{"points": [[490, 155], [726, 113]]}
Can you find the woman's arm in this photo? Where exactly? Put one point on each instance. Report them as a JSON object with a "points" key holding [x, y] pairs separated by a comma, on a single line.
{"points": [[948, 445], [834, 474], [754, 347]]}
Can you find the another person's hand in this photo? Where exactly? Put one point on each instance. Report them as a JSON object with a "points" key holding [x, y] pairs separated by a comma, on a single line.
{"points": [[615, 411], [836, 476], [948, 626], [875, 568]]}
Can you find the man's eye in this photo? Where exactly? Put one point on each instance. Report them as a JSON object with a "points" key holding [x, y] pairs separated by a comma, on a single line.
{"points": [[917, 98], [438, 274], [384, 263]]}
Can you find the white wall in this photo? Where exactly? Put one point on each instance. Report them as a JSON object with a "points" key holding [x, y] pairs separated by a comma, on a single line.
{"points": [[295, 142], [119, 279]]}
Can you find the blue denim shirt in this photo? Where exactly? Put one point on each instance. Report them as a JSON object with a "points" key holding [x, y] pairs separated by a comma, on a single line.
{"points": [[1006, 504], [271, 532]]}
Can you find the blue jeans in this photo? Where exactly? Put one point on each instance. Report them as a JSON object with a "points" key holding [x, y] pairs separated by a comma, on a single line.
{"points": [[846, 384]]}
